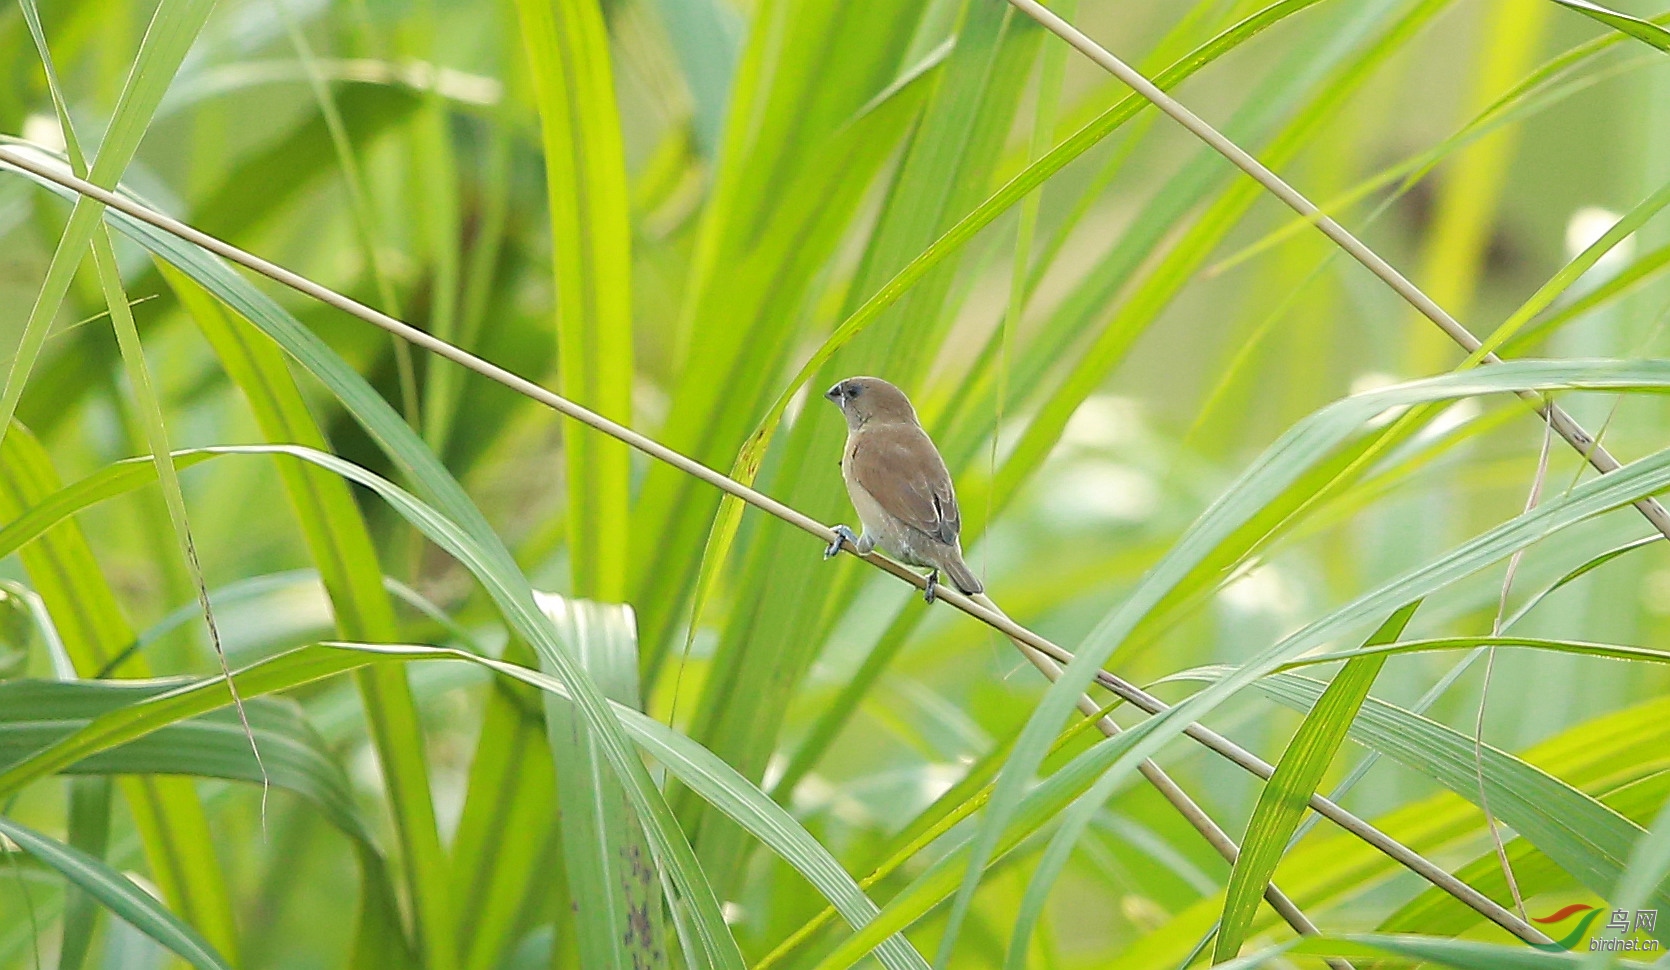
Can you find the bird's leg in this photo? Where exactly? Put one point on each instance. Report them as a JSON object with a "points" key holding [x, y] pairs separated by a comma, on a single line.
{"points": [[933, 582], [842, 533]]}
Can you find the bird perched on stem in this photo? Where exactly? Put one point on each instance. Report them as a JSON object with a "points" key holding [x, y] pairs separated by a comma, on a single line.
{"points": [[898, 485]]}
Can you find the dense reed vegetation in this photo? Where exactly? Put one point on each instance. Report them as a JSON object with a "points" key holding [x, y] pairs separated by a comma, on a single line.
{"points": [[513, 692]]}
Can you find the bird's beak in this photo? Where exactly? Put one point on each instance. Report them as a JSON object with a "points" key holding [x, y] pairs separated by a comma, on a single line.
{"points": [[834, 393]]}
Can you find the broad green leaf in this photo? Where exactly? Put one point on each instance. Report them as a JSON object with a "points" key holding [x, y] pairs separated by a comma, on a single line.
{"points": [[1286, 795], [122, 897], [612, 877], [585, 177]]}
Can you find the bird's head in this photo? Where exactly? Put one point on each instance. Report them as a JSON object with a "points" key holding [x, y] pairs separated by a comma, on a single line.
{"points": [[870, 399]]}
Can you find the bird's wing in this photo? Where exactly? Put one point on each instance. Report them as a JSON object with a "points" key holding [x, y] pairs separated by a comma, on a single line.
{"points": [[902, 470]]}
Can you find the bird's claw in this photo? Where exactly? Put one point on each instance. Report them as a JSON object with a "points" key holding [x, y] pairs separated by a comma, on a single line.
{"points": [[842, 534], [928, 591]]}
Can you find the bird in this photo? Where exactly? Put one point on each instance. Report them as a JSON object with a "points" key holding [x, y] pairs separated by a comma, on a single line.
{"points": [[898, 484]]}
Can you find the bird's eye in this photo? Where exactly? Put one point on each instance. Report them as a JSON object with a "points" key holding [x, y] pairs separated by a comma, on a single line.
{"points": [[851, 390]]}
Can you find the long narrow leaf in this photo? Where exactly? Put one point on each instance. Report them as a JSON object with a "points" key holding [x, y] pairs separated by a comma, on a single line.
{"points": [[1283, 801], [121, 896]]}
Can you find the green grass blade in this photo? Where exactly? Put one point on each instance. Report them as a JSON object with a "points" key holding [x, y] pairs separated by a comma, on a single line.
{"points": [[365, 223], [611, 873], [1460, 954], [1632, 277], [1568, 274], [122, 897], [1334, 869], [1349, 67], [1306, 444], [174, 25], [949, 160], [752, 271], [111, 480], [1644, 31], [1643, 880], [1465, 209], [1285, 796], [348, 566], [121, 316], [1586, 838], [149, 407], [505, 834], [585, 175], [952, 240], [171, 821], [89, 832], [1533, 92], [705, 36], [940, 881], [692, 764], [410, 455], [39, 714]]}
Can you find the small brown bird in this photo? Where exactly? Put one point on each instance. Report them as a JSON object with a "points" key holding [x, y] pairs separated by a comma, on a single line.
{"points": [[898, 484]]}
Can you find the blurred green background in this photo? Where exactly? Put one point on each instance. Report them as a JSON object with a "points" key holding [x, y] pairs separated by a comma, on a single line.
{"points": [[732, 181]]}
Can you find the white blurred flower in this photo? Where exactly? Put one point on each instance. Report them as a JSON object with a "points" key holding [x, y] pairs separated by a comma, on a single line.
{"points": [[1264, 589], [1374, 380], [1099, 491], [43, 130], [1584, 229], [1103, 421], [1452, 418]]}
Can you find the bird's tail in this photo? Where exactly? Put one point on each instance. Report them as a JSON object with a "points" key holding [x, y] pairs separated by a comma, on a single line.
{"points": [[961, 576]]}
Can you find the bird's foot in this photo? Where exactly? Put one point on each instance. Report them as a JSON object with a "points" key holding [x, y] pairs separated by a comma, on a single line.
{"points": [[842, 534], [928, 591]]}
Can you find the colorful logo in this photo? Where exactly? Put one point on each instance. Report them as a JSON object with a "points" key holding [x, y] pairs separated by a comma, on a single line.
{"points": [[1570, 940]]}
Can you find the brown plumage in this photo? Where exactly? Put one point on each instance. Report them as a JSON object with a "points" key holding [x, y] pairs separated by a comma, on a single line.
{"points": [[898, 483]]}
